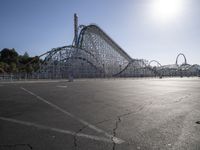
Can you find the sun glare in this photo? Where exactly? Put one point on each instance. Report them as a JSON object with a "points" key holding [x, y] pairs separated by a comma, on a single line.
{"points": [[166, 10]]}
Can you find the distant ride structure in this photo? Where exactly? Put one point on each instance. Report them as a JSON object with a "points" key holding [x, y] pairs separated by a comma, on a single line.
{"points": [[94, 54], [185, 60]]}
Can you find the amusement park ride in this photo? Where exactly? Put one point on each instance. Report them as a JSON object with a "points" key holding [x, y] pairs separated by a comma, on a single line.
{"points": [[93, 54]]}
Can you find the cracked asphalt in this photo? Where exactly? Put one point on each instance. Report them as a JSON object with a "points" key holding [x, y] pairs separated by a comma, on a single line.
{"points": [[101, 114]]}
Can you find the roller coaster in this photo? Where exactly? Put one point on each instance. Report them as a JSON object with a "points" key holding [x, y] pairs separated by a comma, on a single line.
{"points": [[94, 54]]}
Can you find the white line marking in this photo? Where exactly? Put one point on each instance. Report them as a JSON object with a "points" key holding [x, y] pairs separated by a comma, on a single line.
{"points": [[61, 86], [57, 130], [114, 139]]}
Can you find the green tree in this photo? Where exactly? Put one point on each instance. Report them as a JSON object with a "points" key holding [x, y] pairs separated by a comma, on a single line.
{"points": [[9, 55], [4, 67], [29, 68], [13, 68], [11, 62], [24, 58], [26, 55]]}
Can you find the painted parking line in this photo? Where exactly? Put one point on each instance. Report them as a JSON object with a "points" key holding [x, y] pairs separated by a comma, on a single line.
{"points": [[61, 86], [113, 138], [42, 127]]}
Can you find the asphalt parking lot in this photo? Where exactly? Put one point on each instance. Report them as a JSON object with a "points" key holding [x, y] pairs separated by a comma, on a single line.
{"points": [[100, 114]]}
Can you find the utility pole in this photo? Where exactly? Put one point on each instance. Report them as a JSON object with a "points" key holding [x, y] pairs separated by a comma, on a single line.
{"points": [[75, 30]]}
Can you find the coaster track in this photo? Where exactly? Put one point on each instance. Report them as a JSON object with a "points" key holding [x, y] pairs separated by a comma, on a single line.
{"points": [[97, 55]]}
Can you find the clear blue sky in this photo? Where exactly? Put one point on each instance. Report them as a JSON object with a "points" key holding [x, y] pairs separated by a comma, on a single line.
{"points": [[36, 26]]}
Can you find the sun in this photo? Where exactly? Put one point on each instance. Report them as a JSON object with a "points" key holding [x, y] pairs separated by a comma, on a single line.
{"points": [[166, 10]]}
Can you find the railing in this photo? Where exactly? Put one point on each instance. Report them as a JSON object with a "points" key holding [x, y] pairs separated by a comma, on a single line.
{"points": [[17, 76], [38, 76]]}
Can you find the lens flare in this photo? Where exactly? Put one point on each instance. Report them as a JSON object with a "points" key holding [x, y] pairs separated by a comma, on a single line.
{"points": [[166, 10]]}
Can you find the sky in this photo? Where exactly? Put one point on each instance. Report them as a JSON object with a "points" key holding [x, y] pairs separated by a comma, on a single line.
{"points": [[145, 29]]}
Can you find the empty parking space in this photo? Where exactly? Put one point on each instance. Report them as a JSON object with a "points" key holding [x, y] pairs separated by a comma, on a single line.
{"points": [[100, 114]]}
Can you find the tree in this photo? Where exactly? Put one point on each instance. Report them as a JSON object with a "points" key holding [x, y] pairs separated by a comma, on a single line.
{"points": [[11, 62], [24, 58], [29, 68], [26, 55], [9, 55], [13, 68], [4, 67]]}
